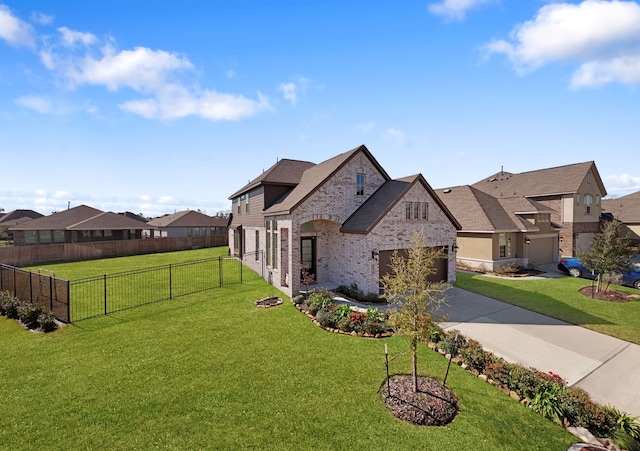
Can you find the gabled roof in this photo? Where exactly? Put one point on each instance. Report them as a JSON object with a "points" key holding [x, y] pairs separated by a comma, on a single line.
{"points": [[19, 216], [543, 182], [315, 176], [284, 173], [625, 208], [188, 218], [82, 217], [371, 212], [479, 212]]}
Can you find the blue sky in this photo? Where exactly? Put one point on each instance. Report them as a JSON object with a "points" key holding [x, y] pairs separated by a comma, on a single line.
{"points": [[157, 107]]}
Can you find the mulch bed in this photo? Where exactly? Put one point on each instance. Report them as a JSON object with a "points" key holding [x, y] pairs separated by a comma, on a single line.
{"points": [[432, 405], [610, 295], [268, 302]]}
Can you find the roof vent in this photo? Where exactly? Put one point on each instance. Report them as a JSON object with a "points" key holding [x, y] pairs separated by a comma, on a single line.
{"points": [[446, 190]]}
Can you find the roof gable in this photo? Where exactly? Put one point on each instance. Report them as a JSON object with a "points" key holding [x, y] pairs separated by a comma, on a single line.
{"points": [[61, 220], [543, 182], [285, 172], [625, 208], [314, 177], [374, 209], [188, 218]]}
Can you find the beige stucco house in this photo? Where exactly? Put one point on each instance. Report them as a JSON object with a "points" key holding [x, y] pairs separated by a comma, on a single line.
{"points": [[531, 218], [343, 217]]}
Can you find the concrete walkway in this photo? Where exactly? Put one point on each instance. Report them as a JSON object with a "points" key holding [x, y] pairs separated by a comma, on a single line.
{"points": [[606, 367]]}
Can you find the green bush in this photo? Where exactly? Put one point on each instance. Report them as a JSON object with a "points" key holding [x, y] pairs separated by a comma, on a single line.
{"points": [[299, 299], [548, 402], [474, 356], [353, 292], [47, 322], [345, 324], [28, 313], [319, 299], [326, 318], [342, 311], [9, 305]]}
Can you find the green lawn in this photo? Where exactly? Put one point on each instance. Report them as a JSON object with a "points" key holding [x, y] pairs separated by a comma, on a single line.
{"points": [[559, 298], [211, 371]]}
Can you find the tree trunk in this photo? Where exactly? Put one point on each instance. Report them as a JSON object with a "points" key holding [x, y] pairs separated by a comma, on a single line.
{"points": [[414, 363]]}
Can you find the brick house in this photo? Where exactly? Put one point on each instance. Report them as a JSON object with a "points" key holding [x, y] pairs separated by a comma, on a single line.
{"points": [[80, 224], [188, 223], [343, 217], [531, 217], [13, 219]]}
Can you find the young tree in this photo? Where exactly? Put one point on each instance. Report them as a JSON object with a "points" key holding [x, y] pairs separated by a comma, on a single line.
{"points": [[415, 298], [609, 254]]}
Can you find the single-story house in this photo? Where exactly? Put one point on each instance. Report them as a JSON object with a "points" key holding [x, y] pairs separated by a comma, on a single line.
{"points": [[342, 218], [188, 223], [15, 218], [80, 224]]}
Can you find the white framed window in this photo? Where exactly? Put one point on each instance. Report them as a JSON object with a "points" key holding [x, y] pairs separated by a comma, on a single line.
{"points": [[359, 184], [587, 203]]}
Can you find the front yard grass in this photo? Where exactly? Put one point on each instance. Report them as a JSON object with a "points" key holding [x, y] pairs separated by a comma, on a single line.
{"points": [[560, 298], [211, 371]]}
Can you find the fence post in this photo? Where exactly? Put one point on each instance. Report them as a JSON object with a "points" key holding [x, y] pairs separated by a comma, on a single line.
{"points": [[170, 282], [68, 301], [51, 293], [30, 287], [241, 265], [220, 261], [14, 281], [104, 278]]}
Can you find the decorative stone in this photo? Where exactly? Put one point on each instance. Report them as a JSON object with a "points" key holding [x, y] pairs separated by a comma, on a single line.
{"points": [[456, 360], [464, 366], [354, 334], [483, 377], [447, 356], [514, 395], [432, 345]]}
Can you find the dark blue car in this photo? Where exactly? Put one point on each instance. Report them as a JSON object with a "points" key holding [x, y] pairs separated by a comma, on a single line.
{"points": [[575, 268]]}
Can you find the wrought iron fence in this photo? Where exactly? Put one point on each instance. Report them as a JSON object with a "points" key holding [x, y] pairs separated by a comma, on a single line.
{"points": [[101, 295]]}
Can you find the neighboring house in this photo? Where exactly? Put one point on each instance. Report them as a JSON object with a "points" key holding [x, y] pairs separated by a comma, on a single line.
{"points": [[547, 213], [343, 218], [188, 223], [626, 209], [77, 225], [15, 218], [499, 231]]}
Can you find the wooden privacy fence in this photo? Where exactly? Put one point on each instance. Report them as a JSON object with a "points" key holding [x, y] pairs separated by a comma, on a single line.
{"points": [[43, 289], [71, 252], [80, 299]]}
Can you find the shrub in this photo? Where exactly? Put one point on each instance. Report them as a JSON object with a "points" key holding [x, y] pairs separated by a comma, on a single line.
{"points": [[9, 305], [507, 268], [353, 292], [345, 324], [326, 317], [319, 299], [358, 319], [498, 370], [299, 299], [579, 410], [28, 313], [342, 311], [547, 402], [47, 322], [474, 356]]}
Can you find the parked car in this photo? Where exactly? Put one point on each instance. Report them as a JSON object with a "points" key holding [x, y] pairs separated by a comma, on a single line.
{"points": [[574, 267]]}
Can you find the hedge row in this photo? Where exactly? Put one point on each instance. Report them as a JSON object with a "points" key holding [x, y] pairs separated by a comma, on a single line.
{"points": [[32, 316]]}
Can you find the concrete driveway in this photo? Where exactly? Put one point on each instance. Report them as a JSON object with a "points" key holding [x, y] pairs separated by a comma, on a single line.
{"points": [[606, 367]]}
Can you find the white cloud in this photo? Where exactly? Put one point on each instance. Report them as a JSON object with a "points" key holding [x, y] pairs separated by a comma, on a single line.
{"points": [[165, 200], [42, 18], [396, 135], [71, 37], [366, 126], [455, 9], [15, 31], [40, 104], [621, 184], [601, 36], [292, 90]]}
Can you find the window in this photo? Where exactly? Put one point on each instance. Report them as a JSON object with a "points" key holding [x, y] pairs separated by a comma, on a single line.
{"points": [[425, 211], [502, 244], [588, 177], [246, 205], [587, 203], [268, 243], [407, 208], [238, 203], [577, 199], [58, 236], [274, 245], [597, 199], [97, 233], [196, 231], [416, 210], [108, 234], [30, 237], [45, 236], [189, 231], [360, 185]]}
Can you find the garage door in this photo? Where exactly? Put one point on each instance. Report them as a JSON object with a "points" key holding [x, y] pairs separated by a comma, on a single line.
{"points": [[541, 251], [441, 274]]}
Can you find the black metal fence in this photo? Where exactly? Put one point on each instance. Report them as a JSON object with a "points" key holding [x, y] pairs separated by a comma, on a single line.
{"points": [[44, 289], [101, 295]]}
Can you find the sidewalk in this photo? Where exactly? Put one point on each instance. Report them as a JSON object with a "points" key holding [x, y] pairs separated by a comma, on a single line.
{"points": [[606, 367]]}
